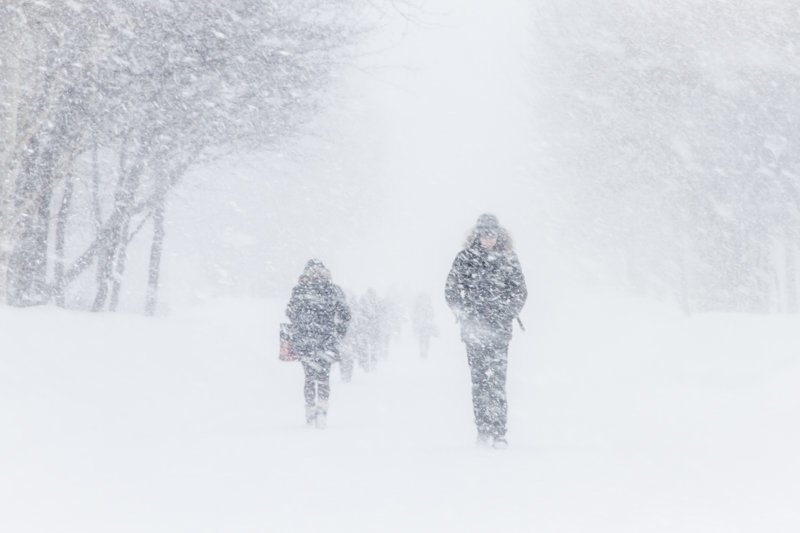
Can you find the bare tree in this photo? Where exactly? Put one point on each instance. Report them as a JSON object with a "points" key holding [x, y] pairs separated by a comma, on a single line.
{"points": [[675, 130], [165, 87]]}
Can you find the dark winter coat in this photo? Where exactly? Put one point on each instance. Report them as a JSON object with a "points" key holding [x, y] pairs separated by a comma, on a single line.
{"points": [[319, 315], [486, 290]]}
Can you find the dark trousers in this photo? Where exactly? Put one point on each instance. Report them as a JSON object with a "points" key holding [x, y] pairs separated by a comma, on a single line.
{"points": [[318, 379], [488, 364]]}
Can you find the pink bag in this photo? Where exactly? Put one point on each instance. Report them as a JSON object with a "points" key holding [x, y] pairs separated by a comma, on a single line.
{"points": [[286, 353]]}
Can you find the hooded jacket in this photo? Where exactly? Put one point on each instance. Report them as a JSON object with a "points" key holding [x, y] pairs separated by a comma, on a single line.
{"points": [[486, 288], [318, 311]]}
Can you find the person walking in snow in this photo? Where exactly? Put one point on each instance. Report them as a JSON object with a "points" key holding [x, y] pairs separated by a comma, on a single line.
{"points": [[372, 329], [319, 317], [423, 322], [348, 346], [486, 291]]}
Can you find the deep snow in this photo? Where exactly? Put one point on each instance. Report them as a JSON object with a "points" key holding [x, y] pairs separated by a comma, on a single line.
{"points": [[623, 417]]}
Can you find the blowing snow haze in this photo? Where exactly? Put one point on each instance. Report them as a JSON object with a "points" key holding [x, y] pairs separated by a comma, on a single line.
{"points": [[186, 159], [647, 148], [400, 166], [642, 147]]}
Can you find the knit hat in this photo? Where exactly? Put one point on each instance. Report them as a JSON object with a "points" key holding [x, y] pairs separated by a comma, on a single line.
{"points": [[487, 223], [314, 264]]}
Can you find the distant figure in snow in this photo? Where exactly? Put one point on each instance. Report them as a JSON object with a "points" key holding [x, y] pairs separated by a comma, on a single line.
{"points": [[486, 291], [372, 329], [422, 322], [319, 317], [348, 346]]}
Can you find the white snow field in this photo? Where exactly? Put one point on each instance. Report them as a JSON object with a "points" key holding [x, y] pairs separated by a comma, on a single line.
{"points": [[624, 417]]}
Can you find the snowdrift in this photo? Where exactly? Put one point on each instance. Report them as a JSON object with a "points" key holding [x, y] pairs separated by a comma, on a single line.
{"points": [[623, 416]]}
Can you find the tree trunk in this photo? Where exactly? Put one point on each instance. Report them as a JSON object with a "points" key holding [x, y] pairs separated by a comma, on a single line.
{"points": [[61, 231], [27, 277], [119, 268], [102, 284], [9, 97], [791, 276], [116, 238], [154, 272], [96, 211], [105, 268]]}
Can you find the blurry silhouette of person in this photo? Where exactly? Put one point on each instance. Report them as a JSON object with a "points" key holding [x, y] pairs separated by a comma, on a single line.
{"points": [[423, 323], [372, 329], [348, 347], [319, 317], [486, 291]]}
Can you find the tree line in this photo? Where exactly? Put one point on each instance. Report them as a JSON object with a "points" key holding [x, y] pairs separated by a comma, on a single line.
{"points": [[674, 124], [105, 105], [670, 124]]}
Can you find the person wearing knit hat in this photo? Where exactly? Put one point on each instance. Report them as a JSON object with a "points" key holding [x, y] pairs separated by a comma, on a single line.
{"points": [[486, 291], [487, 222], [319, 316]]}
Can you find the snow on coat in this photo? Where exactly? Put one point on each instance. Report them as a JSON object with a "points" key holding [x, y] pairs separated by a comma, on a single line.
{"points": [[486, 288], [319, 313]]}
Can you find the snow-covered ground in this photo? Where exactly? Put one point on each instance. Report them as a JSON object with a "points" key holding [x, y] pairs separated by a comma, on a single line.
{"points": [[624, 417]]}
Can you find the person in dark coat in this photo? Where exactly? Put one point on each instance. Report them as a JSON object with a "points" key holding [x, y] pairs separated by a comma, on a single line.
{"points": [[319, 317], [486, 290]]}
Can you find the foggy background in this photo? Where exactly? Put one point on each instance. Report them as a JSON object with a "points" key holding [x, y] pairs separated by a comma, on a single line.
{"points": [[428, 129], [185, 159], [643, 147]]}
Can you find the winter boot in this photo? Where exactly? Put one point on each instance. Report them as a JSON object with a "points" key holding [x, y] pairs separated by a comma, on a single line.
{"points": [[311, 414], [500, 443], [484, 440], [322, 414]]}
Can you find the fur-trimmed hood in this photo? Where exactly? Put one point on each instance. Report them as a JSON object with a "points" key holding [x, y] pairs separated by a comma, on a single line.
{"points": [[488, 222]]}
